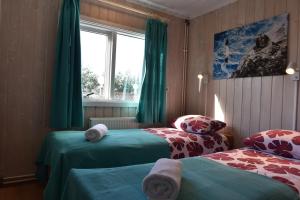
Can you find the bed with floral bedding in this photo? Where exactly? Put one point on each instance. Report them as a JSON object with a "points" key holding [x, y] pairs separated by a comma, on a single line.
{"points": [[276, 167], [268, 168], [183, 144], [239, 174], [272, 153], [64, 150]]}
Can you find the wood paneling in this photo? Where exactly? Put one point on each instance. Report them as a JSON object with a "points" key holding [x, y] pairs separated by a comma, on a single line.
{"points": [[266, 102], [92, 111], [237, 110], [255, 105], [288, 101], [229, 102], [246, 107], [276, 106], [251, 104], [27, 37], [110, 16], [23, 191]]}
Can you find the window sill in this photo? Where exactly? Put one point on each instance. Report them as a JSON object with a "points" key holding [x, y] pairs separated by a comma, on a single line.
{"points": [[93, 103]]}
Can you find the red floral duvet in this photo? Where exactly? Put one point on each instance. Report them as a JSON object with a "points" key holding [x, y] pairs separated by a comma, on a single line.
{"points": [[183, 144], [282, 169]]}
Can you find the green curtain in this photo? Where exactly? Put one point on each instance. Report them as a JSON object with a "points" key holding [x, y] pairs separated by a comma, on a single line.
{"points": [[66, 108], [151, 107]]}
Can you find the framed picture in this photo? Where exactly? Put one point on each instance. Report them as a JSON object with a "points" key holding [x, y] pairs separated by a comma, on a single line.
{"points": [[257, 49]]}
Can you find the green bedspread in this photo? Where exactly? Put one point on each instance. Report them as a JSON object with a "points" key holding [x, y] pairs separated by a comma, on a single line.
{"points": [[202, 179], [63, 150]]}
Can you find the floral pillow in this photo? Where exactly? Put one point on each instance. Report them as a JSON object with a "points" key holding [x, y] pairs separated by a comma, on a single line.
{"points": [[198, 124], [284, 143]]}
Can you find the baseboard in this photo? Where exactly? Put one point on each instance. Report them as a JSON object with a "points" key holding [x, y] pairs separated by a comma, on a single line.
{"points": [[17, 179]]}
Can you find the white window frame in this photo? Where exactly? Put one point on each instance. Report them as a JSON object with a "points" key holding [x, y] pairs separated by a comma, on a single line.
{"points": [[111, 33]]}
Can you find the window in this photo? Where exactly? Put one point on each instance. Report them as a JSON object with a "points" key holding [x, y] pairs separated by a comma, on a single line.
{"points": [[112, 63]]}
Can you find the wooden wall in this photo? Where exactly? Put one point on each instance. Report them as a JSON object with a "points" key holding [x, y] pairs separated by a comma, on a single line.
{"points": [[27, 37], [248, 104], [108, 112]]}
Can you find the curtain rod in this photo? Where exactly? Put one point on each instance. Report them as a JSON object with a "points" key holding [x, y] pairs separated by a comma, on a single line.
{"points": [[130, 9]]}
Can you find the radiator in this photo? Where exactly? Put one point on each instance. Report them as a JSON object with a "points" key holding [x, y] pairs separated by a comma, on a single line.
{"points": [[116, 122]]}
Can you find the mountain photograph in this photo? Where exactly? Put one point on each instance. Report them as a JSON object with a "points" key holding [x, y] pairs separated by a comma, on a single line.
{"points": [[258, 49]]}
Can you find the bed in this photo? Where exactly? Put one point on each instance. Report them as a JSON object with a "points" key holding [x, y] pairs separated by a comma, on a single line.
{"points": [[240, 174], [64, 150]]}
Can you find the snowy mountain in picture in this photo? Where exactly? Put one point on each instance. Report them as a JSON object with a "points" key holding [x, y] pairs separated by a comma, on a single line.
{"points": [[258, 49]]}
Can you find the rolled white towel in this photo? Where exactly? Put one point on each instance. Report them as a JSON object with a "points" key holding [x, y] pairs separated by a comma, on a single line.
{"points": [[96, 133], [163, 181]]}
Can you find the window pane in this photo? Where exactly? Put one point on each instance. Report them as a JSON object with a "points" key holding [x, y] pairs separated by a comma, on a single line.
{"points": [[93, 62], [129, 68]]}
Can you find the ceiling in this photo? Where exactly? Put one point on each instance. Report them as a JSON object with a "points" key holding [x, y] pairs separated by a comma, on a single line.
{"points": [[184, 8]]}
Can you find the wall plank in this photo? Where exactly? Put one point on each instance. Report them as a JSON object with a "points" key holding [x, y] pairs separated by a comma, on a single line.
{"points": [[124, 112], [250, 15], [88, 113], [246, 107], [229, 102], [255, 104], [293, 10], [174, 73], [216, 95], [276, 106], [3, 91], [210, 99], [280, 6], [242, 6], [298, 111], [266, 102], [108, 112], [269, 8], [132, 112], [288, 101], [194, 96], [298, 62], [237, 111], [259, 9], [116, 112], [99, 112], [223, 95]]}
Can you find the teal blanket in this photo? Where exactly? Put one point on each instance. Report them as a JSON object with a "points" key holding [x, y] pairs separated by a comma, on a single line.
{"points": [[63, 150], [202, 179]]}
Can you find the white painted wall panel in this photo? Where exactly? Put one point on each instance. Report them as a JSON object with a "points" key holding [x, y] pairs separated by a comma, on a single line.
{"points": [[249, 104]]}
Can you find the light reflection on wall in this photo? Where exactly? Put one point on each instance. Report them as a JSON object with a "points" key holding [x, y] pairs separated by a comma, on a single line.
{"points": [[200, 84], [219, 114]]}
